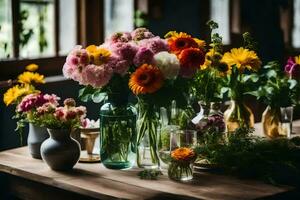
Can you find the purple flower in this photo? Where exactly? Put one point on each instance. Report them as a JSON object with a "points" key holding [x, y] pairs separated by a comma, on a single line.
{"points": [[126, 51], [155, 44], [143, 56]]}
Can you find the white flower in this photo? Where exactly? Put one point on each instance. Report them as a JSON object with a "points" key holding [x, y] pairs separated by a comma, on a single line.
{"points": [[168, 64]]}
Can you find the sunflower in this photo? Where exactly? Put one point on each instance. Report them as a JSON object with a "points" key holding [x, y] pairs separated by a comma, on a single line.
{"points": [[32, 67], [211, 57], [183, 154], [146, 79], [30, 77], [15, 93], [98, 56], [223, 69], [242, 58]]}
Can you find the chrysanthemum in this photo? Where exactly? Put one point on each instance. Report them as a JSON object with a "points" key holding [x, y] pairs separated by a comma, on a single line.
{"points": [[32, 67], [143, 56], [190, 60], [155, 44], [145, 80], [242, 58], [15, 93], [30, 77], [183, 154], [96, 76], [168, 64]]}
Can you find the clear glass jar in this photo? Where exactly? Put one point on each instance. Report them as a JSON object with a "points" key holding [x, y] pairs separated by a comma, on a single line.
{"points": [[117, 133]]}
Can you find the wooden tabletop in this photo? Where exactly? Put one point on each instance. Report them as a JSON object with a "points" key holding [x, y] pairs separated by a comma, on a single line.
{"points": [[95, 181]]}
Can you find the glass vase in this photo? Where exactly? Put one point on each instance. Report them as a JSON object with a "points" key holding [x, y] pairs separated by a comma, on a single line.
{"points": [[271, 122], [180, 171], [117, 133], [147, 133], [286, 121], [238, 115]]}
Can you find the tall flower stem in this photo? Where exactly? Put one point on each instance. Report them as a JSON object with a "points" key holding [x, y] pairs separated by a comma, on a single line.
{"points": [[147, 125]]}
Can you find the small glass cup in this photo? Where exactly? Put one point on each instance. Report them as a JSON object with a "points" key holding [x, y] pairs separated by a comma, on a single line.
{"points": [[164, 147], [182, 155], [286, 121]]}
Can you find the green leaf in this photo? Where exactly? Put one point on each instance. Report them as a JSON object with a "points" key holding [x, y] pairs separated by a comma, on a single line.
{"points": [[292, 83], [99, 96], [85, 94], [271, 74]]}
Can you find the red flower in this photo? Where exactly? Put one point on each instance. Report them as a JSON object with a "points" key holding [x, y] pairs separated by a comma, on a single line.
{"points": [[190, 60]]}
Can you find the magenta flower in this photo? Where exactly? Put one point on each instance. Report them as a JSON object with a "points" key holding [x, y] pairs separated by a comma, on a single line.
{"points": [[31, 101], [143, 56], [292, 69]]}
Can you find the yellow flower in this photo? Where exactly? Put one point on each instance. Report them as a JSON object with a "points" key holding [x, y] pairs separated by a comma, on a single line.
{"points": [[242, 58], [15, 93], [297, 60], [32, 67], [211, 57], [97, 55], [201, 43], [176, 35], [30, 77]]}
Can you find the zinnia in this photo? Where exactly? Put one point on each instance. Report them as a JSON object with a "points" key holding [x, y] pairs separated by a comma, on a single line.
{"points": [[183, 154], [146, 79]]}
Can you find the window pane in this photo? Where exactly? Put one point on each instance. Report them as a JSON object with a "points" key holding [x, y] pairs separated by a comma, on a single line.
{"points": [[37, 33], [296, 28], [220, 14], [6, 29], [67, 26], [118, 16]]}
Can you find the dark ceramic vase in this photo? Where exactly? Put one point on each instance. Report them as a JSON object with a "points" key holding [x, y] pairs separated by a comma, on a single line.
{"points": [[36, 136], [60, 151]]}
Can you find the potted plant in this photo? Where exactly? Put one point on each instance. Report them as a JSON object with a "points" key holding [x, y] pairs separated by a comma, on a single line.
{"points": [[60, 151]]}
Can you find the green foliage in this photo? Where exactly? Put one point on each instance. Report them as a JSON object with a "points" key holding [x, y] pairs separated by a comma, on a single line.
{"points": [[150, 174], [140, 19], [25, 33], [275, 161], [249, 42], [275, 88]]}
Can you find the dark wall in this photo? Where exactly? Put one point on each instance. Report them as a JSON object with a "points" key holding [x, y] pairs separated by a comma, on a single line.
{"points": [[10, 139]]}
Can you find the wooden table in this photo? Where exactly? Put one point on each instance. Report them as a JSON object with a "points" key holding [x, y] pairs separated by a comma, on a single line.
{"points": [[29, 178]]}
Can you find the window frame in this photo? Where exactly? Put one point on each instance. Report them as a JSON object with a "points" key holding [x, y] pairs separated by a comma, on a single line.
{"points": [[88, 32]]}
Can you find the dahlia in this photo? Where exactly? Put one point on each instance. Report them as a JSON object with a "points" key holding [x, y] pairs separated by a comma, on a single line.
{"points": [[168, 64]]}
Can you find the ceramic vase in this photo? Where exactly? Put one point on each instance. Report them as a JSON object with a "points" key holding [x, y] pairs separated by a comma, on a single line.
{"points": [[36, 136], [60, 151]]}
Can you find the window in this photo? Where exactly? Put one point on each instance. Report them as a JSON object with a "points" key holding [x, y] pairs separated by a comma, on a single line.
{"points": [[6, 29], [118, 16], [296, 25], [220, 13]]}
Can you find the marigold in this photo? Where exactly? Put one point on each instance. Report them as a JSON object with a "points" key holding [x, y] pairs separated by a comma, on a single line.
{"points": [[242, 58], [146, 79], [32, 67], [31, 77], [15, 93], [183, 154], [98, 56]]}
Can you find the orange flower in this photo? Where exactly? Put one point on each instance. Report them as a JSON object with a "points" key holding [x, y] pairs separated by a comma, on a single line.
{"points": [[180, 42], [146, 79], [183, 154], [190, 60]]}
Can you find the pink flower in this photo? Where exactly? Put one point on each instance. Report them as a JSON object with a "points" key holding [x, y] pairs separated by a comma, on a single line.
{"points": [[46, 108], [53, 99], [70, 114], [155, 44], [30, 102], [126, 51], [141, 33], [143, 56], [97, 76], [119, 37]]}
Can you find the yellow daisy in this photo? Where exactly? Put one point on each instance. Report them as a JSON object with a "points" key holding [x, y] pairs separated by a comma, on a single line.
{"points": [[242, 58], [201, 43], [176, 35], [211, 57], [97, 55], [297, 60], [15, 93], [32, 67], [31, 77]]}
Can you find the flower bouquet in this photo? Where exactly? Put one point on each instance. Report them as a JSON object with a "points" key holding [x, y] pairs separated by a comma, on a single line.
{"points": [[25, 84], [60, 151], [240, 61]]}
